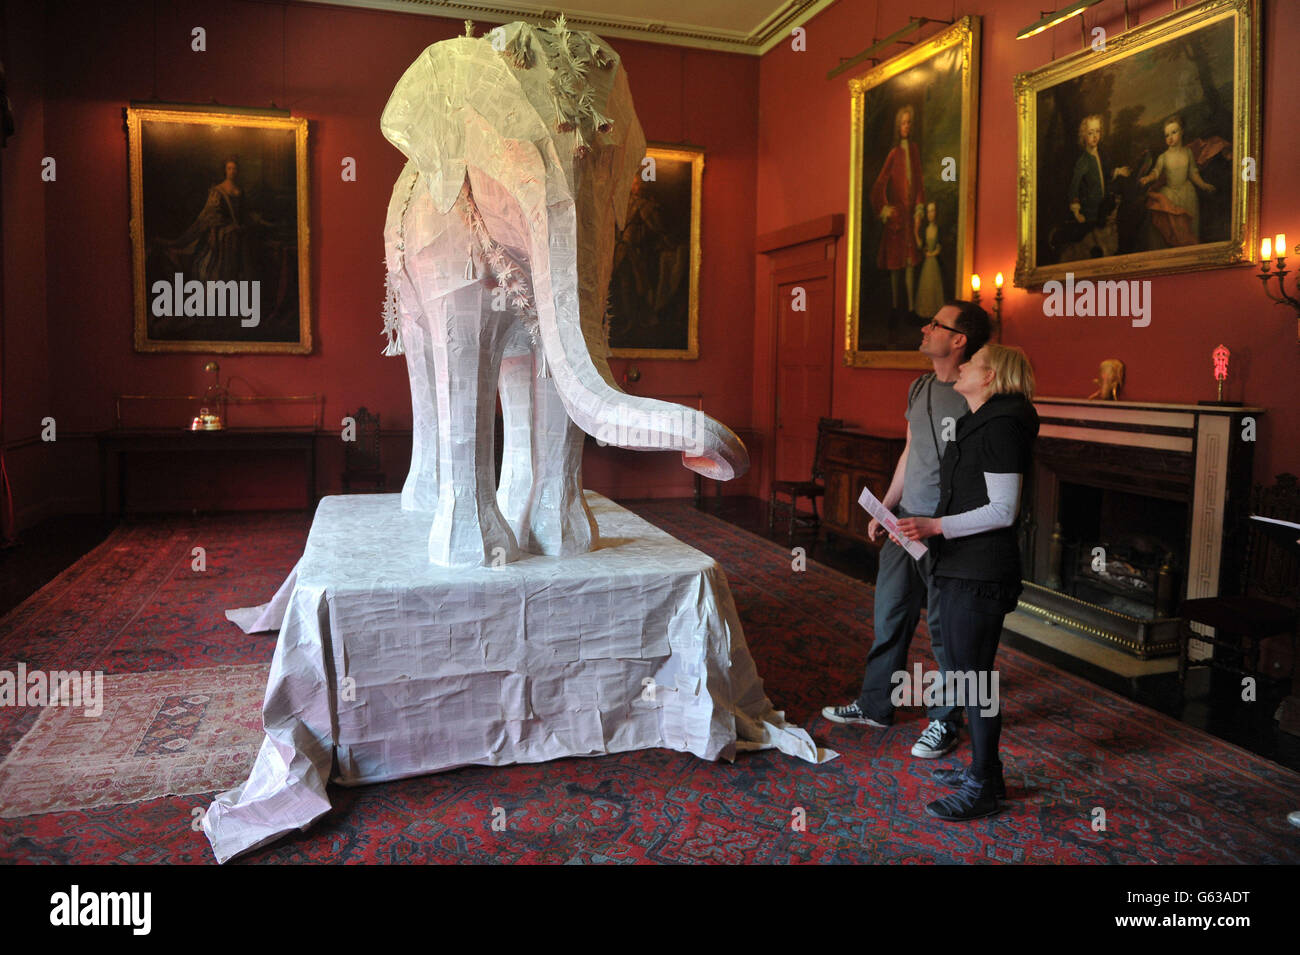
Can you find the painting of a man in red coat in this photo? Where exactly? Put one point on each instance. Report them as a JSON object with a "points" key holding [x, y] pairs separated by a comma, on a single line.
{"points": [[898, 199]]}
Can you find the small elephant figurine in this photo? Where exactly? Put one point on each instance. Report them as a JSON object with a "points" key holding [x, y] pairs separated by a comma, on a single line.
{"points": [[522, 147], [1109, 380]]}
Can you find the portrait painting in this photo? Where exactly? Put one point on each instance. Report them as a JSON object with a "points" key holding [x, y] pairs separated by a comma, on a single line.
{"points": [[219, 231], [911, 194], [1137, 154], [653, 306]]}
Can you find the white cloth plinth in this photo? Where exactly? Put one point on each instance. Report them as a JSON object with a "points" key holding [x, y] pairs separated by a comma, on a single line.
{"points": [[395, 667]]}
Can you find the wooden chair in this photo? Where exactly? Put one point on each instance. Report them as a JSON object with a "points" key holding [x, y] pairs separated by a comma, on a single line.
{"points": [[1267, 607], [361, 461], [811, 489]]}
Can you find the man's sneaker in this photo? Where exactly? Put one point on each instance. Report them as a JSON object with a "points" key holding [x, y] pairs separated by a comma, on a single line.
{"points": [[958, 778], [851, 714], [939, 739]]}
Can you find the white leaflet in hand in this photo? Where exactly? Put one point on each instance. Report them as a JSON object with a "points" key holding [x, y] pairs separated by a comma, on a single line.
{"points": [[889, 522]]}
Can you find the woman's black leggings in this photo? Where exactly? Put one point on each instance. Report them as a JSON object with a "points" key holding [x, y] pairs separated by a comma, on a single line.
{"points": [[972, 613]]}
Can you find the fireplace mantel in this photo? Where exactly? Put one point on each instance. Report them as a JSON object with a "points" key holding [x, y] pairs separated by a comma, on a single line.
{"points": [[1206, 450]]}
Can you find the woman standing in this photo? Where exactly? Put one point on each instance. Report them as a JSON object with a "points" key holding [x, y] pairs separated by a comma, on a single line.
{"points": [[977, 556]]}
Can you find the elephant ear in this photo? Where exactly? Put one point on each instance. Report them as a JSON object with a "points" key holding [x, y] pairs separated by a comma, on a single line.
{"points": [[629, 143], [417, 121], [455, 91]]}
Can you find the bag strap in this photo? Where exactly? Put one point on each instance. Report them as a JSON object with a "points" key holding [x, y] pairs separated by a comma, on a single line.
{"points": [[916, 388]]}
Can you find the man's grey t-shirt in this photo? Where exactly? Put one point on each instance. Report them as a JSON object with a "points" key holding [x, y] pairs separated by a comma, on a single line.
{"points": [[921, 477]]}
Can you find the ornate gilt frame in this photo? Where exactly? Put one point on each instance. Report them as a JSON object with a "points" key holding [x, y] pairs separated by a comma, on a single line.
{"points": [[965, 35], [143, 343], [695, 157], [1238, 249]]}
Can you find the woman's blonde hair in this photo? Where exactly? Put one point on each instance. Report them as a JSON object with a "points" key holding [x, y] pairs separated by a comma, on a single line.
{"points": [[1012, 373]]}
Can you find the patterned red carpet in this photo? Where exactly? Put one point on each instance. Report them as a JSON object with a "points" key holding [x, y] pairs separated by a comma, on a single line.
{"points": [[1171, 794]]}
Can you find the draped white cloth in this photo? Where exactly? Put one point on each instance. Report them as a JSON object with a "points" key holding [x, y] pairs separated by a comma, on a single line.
{"points": [[389, 666]]}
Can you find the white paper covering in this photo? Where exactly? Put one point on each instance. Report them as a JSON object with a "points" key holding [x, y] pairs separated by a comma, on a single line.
{"points": [[534, 660], [522, 148]]}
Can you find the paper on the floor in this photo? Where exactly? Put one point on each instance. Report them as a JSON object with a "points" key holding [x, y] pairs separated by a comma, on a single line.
{"points": [[397, 667], [267, 616]]}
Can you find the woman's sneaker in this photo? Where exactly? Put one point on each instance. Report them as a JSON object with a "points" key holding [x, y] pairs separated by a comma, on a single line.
{"points": [[958, 778], [851, 714], [939, 739], [972, 801]]}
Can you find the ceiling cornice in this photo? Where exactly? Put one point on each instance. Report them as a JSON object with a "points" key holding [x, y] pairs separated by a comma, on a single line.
{"points": [[787, 15]]}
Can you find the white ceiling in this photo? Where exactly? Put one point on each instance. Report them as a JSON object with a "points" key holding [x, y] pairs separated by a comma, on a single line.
{"points": [[741, 26]]}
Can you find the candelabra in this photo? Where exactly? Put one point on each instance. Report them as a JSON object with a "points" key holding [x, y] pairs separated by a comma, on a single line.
{"points": [[1267, 272]]}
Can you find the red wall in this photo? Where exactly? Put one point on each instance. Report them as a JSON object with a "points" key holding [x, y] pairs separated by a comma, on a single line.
{"points": [[775, 131], [26, 350], [803, 159], [335, 66]]}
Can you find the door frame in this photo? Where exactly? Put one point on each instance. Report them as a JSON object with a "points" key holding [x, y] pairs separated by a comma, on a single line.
{"points": [[803, 251]]}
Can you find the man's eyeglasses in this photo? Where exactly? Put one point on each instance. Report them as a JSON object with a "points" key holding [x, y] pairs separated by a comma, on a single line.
{"points": [[935, 323]]}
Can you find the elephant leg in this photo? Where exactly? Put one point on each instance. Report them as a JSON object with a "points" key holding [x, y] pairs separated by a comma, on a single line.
{"points": [[468, 341], [559, 521], [516, 389], [420, 492]]}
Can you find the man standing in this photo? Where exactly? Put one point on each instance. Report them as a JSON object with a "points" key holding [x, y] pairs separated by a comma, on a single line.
{"points": [[958, 331]]}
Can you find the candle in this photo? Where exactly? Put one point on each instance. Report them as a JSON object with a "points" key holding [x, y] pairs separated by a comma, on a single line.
{"points": [[1279, 245], [997, 280], [975, 283], [1265, 250]]}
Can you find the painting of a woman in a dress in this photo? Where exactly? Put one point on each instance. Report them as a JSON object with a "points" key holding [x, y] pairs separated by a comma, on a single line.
{"points": [[929, 294], [218, 242], [1175, 207], [219, 208]]}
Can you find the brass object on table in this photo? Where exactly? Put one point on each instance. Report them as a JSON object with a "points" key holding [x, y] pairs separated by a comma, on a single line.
{"points": [[206, 420], [1109, 380]]}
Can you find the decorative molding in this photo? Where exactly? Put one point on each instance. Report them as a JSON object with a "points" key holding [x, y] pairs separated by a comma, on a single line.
{"points": [[825, 227], [771, 30]]}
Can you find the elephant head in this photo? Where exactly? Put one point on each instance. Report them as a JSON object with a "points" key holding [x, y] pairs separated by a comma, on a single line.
{"points": [[522, 149]]}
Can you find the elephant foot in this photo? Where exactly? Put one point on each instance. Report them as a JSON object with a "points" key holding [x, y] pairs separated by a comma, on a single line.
{"points": [[561, 525], [467, 536]]}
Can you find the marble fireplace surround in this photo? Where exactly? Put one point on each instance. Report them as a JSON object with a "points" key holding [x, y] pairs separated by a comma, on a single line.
{"points": [[1174, 446]]}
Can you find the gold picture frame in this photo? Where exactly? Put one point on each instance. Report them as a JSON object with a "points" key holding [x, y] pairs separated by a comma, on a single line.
{"points": [[653, 306], [220, 265], [937, 81], [1133, 94]]}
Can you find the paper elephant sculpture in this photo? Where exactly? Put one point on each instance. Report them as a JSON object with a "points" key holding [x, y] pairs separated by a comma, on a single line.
{"points": [[522, 147]]}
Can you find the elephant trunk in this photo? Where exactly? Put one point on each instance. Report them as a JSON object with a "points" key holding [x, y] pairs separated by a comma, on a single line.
{"points": [[570, 299]]}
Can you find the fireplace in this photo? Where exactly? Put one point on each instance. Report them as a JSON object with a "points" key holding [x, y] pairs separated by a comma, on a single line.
{"points": [[1132, 508], [1122, 550]]}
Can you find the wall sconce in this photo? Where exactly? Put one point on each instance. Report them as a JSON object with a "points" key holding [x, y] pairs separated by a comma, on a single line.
{"points": [[1266, 250], [996, 317], [1053, 18]]}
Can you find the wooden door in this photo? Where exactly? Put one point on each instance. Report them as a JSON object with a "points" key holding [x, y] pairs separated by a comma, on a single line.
{"points": [[802, 303]]}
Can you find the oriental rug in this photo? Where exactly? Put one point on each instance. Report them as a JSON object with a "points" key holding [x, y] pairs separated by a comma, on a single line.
{"points": [[159, 734], [1170, 793]]}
